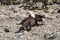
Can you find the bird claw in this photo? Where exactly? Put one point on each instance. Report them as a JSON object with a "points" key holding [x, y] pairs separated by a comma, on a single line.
{"points": [[35, 27]]}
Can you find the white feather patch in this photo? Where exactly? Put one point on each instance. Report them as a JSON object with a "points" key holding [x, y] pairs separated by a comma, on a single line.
{"points": [[32, 14]]}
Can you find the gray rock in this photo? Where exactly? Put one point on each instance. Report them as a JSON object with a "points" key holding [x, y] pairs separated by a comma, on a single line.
{"points": [[13, 9], [39, 5], [49, 2], [53, 1], [58, 11], [58, 1], [50, 35]]}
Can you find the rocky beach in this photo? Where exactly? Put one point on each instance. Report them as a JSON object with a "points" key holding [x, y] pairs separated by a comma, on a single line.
{"points": [[10, 15]]}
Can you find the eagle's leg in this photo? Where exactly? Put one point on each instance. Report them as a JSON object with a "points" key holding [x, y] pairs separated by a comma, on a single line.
{"points": [[28, 28], [20, 29], [36, 25]]}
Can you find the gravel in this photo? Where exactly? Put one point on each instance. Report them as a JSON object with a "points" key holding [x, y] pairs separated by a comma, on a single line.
{"points": [[9, 20]]}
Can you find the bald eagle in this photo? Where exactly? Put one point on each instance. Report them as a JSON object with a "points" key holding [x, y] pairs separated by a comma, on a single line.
{"points": [[29, 22]]}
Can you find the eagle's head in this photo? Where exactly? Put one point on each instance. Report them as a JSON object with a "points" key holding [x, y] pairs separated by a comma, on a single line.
{"points": [[31, 13]]}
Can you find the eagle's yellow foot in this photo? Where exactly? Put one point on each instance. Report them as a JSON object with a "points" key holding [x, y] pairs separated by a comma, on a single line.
{"points": [[16, 26], [30, 31], [35, 27]]}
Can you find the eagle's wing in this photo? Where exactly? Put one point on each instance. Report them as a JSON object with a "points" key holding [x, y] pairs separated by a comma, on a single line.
{"points": [[25, 19]]}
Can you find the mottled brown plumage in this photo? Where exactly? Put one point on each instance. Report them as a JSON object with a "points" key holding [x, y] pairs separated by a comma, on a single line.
{"points": [[38, 18], [29, 21]]}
